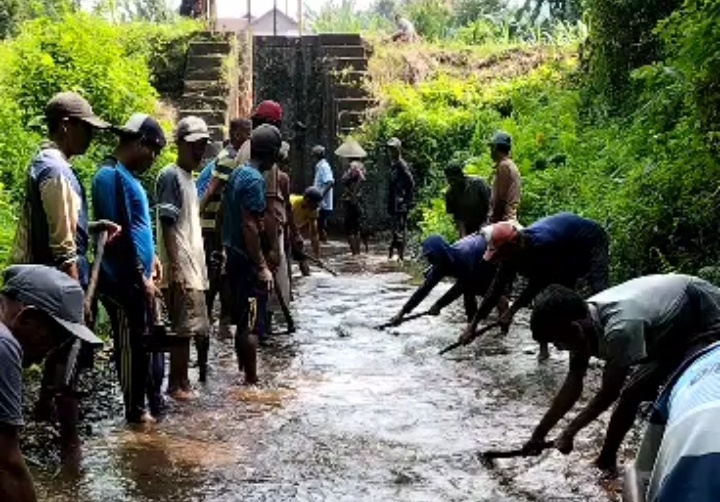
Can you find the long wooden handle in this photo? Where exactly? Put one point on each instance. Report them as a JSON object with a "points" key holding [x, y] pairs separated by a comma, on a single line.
{"points": [[283, 306], [404, 319], [95, 273], [478, 333]]}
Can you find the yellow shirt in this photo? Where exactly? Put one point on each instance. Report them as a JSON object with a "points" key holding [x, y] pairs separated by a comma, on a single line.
{"points": [[301, 214]]}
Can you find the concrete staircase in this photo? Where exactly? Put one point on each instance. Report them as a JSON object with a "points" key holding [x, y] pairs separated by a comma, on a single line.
{"points": [[345, 58], [210, 83]]}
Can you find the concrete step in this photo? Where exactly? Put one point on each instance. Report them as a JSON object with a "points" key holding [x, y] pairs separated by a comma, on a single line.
{"points": [[217, 133], [353, 104], [349, 77], [340, 39], [200, 102], [211, 61], [213, 74], [349, 119], [208, 48], [211, 117], [344, 51], [357, 64], [348, 91], [210, 88]]}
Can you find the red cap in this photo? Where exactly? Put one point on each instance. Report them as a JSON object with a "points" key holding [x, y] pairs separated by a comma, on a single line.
{"points": [[269, 110], [498, 235]]}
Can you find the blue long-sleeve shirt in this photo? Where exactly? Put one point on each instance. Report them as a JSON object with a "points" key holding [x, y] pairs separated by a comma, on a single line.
{"points": [[132, 213]]}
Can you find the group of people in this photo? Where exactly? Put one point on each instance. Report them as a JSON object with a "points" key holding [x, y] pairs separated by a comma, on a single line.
{"points": [[226, 228], [231, 232], [657, 332]]}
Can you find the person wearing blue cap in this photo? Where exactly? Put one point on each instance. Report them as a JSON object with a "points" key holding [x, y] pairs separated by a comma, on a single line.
{"points": [[462, 261], [41, 311], [130, 268]]}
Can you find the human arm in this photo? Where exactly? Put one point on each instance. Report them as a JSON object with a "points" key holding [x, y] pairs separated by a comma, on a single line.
{"points": [[409, 184], [314, 238], [62, 207], [503, 277], [169, 205], [452, 294], [613, 379], [253, 205], [215, 186], [432, 279], [565, 399], [533, 288], [15, 482]]}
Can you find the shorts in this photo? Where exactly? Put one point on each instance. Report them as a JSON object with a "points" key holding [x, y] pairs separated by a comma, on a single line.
{"points": [[187, 311], [353, 218], [249, 298]]}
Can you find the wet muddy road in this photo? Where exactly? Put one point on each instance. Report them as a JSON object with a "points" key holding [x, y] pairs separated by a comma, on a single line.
{"points": [[348, 413]]}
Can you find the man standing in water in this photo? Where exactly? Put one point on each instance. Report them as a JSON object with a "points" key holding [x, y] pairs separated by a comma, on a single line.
{"points": [[642, 329], [400, 197], [250, 278], [127, 276], [54, 230], [41, 310], [181, 251], [324, 181], [236, 151], [467, 199], [506, 187]]}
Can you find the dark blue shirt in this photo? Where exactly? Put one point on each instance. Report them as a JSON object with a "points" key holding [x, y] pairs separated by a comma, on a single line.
{"points": [[132, 212], [462, 261], [244, 191], [560, 246]]}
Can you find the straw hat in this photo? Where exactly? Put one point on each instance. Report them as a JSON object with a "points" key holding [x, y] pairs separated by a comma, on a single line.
{"points": [[351, 149]]}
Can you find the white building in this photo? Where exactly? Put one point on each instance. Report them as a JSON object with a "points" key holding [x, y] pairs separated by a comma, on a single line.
{"points": [[273, 22]]}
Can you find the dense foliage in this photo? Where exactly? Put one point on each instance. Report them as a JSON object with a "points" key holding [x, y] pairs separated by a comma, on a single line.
{"points": [[54, 54], [645, 166]]}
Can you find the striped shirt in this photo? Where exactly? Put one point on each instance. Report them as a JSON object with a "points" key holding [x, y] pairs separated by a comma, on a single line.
{"points": [[53, 222], [681, 445], [223, 165]]}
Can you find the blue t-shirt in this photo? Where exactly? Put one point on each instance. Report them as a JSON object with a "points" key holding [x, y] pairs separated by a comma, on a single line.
{"points": [[244, 191], [203, 181], [134, 210], [323, 176], [688, 459], [560, 245]]}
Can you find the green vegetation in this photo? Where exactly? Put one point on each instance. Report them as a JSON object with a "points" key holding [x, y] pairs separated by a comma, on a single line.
{"points": [[117, 67], [621, 127]]}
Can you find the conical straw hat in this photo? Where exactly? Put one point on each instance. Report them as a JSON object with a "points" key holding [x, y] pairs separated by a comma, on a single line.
{"points": [[351, 149]]}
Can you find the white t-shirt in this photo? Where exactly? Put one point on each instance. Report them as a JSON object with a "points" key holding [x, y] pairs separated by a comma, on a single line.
{"points": [[177, 202]]}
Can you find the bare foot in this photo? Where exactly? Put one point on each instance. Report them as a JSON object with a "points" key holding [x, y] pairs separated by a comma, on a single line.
{"points": [[182, 395]]}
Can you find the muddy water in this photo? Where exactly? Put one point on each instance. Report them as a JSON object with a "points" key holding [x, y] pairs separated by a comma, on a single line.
{"points": [[347, 413]]}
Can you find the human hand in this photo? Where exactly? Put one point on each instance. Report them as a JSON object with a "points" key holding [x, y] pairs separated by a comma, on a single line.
{"points": [[150, 291], [157, 275], [468, 335], [535, 445], [396, 319], [565, 442], [266, 278], [112, 228]]}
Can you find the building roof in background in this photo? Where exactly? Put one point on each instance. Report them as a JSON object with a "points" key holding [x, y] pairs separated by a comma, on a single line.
{"points": [[261, 25]]}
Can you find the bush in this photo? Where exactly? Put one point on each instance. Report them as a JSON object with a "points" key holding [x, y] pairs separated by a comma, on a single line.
{"points": [[51, 55]]}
